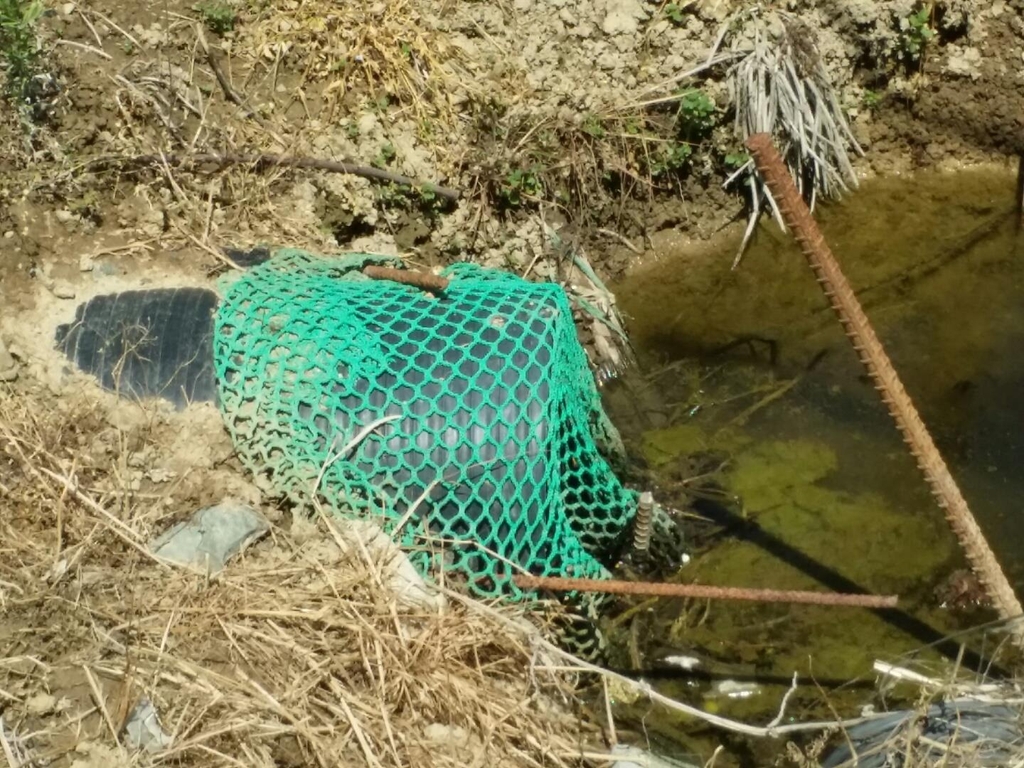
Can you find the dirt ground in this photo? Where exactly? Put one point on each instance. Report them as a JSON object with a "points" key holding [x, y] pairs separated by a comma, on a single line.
{"points": [[538, 114], [533, 111]]}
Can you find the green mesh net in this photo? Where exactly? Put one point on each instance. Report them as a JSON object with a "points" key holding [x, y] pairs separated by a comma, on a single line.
{"points": [[467, 425]]}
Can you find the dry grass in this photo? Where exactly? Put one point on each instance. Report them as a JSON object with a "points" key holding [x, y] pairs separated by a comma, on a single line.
{"points": [[382, 51], [779, 86], [292, 657]]}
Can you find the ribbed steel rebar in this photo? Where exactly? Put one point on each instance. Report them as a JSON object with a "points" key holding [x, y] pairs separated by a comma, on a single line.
{"points": [[642, 523], [661, 589], [424, 280], [871, 353]]}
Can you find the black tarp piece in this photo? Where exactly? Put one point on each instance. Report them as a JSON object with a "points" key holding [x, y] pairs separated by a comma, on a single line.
{"points": [[150, 343], [250, 258], [990, 732]]}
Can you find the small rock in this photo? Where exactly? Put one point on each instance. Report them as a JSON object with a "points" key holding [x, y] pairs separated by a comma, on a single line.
{"points": [[659, 28], [95, 754], [8, 365], [63, 290], [41, 704], [367, 124], [9, 234], [161, 475], [86, 263], [67, 9], [718, 11], [623, 17], [965, 62], [64, 215], [584, 30]]}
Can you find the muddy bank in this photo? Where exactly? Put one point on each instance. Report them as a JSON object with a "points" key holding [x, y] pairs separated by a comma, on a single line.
{"points": [[572, 114], [541, 114]]}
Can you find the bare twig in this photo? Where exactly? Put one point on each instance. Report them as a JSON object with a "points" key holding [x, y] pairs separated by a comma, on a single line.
{"points": [[262, 162], [622, 239], [782, 705], [213, 59], [101, 702], [114, 26], [122, 531], [645, 689], [12, 760], [86, 47], [85, 20]]}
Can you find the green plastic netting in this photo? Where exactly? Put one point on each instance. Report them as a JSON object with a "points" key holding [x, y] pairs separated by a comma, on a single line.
{"points": [[496, 451]]}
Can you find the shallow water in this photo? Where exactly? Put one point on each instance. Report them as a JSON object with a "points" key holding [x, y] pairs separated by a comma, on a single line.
{"points": [[745, 378]]}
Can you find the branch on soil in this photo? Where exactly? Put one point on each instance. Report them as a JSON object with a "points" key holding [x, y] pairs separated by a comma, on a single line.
{"points": [[213, 59], [262, 162]]}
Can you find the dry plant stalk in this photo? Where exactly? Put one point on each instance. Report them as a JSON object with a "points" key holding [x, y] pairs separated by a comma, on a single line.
{"points": [[874, 358], [779, 86], [295, 654]]}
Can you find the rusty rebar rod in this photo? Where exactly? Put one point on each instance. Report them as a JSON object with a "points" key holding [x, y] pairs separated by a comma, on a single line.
{"points": [[643, 589], [642, 523], [424, 280], [872, 355]]}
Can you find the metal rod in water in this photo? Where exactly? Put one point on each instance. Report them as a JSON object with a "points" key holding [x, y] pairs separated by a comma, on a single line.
{"points": [[643, 589], [871, 353]]}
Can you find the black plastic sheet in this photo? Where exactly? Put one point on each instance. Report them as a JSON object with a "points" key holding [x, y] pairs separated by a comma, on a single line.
{"points": [[144, 344]]}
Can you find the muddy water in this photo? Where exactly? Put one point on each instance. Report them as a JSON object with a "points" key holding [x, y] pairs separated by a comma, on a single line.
{"points": [[751, 413]]}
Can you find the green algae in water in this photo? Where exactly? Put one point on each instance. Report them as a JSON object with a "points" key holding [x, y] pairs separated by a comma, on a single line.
{"points": [[767, 474], [663, 446], [858, 534], [801, 534], [666, 445], [829, 498]]}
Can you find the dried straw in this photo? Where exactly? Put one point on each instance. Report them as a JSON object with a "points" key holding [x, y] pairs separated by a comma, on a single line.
{"points": [[294, 655]]}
